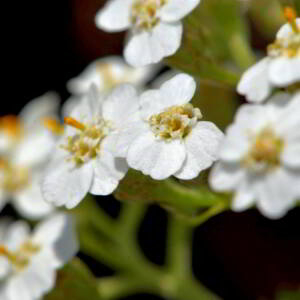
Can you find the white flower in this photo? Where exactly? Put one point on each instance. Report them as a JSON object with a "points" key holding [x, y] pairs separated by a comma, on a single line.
{"points": [[259, 158], [168, 139], [280, 68], [84, 160], [155, 25], [26, 146], [109, 72], [33, 258]]}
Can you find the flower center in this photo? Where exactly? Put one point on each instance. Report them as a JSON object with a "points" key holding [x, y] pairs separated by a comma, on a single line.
{"points": [[20, 258], [264, 154], [144, 13], [13, 178], [175, 122], [288, 46], [85, 145]]}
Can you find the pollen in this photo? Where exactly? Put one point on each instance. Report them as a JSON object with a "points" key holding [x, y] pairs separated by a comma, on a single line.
{"points": [[144, 13], [85, 145], [291, 15], [53, 125], [11, 125], [264, 154], [175, 122]]}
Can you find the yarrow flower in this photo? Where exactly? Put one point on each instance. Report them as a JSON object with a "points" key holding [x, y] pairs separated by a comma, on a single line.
{"points": [[155, 25], [84, 160], [30, 260], [25, 148], [107, 73], [280, 68], [259, 158], [169, 138]]}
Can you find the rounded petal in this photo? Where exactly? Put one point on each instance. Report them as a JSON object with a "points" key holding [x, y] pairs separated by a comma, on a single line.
{"points": [[174, 10], [144, 48], [122, 105], [226, 177], [243, 199], [30, 203], [291, 155], [39, 108], [286, 29], [254, 84], [157, 158], [202, 146], [34, 148], [115, 16], [66, 184], [58, 233], [284, 71]]}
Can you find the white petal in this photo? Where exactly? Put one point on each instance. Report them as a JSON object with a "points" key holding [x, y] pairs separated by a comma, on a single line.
{"points": [[34, 148], [108, 172], [17, 233], [146, 48], [275, 194], [30, 203], [291, 155], [284, 71], [58, 233], [179, 90], [235, 145], [226, 177], [254, 84], [154, 157], [121, 105], [115, 16], [244, 198], [175, 10], [286, 29], [39, 108], [202, 145], [127, 135], [66, 184]]}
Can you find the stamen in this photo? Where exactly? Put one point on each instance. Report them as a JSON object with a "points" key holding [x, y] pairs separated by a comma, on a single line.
{"points": [[4, 251], [53, 126], [74, 123], [11, 125], [291, 15]]}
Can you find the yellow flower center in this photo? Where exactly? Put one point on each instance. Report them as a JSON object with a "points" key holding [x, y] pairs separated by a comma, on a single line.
{"points": [[13, 178], [20, 258], [288, 46], [264, 154], [85, 145], [175, 122], [144, 13]]}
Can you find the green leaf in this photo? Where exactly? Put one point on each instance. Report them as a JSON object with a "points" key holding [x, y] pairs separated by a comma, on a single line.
{"points": [[138, 187], [75, 282], [288, 295]]}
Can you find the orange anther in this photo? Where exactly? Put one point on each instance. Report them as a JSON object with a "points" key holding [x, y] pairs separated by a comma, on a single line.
{"points": [[11, 125], [53, 125], [74, 123]]}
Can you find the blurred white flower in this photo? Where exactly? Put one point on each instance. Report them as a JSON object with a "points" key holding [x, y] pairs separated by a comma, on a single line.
{"points": [[84, 160], [109, 72], [26, 146], [259, 158], [33, 258], [280, 68], [155, 25], [168, 139]]}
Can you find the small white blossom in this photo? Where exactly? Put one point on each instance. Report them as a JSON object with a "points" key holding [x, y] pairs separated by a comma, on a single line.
{"points": [[169, 138], [107, 73], [279, 69], [31, 259], [25, 150], [259, 158], [155, 25], [84, 160]]}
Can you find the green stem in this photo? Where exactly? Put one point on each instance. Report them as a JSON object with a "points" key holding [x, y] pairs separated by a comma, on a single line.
{"points": [[241, 51]]}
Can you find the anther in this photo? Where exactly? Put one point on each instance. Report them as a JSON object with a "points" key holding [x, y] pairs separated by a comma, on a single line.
{"points": [[74, 123], [53, 126], [291, 15]]}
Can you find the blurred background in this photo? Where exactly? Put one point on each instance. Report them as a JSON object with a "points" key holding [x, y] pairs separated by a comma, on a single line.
{"points": [[239, 256]]}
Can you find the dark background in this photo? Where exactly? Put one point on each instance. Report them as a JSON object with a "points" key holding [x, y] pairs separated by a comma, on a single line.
{"points": [[239, 256]]}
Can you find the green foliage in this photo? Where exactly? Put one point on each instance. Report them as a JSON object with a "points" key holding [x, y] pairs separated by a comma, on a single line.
{"points": [[288, 295], [74, 282]]}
